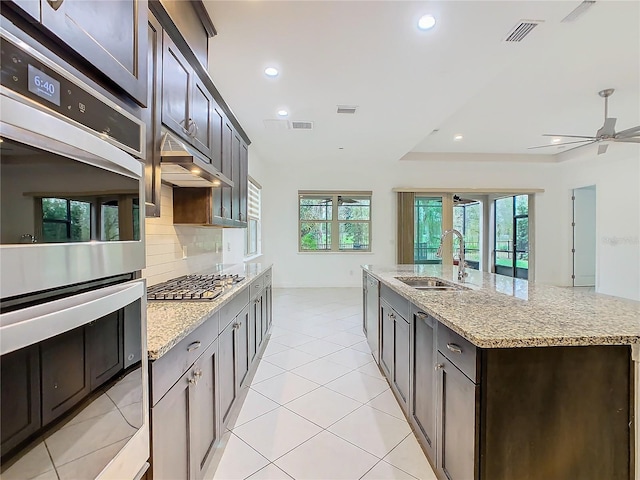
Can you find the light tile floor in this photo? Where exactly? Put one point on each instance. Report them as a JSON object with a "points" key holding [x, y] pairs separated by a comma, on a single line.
{"points": [[318, 407]]}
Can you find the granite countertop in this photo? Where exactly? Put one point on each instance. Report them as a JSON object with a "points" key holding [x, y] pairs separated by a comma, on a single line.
{"points": [[500, 312], [168, 322]]}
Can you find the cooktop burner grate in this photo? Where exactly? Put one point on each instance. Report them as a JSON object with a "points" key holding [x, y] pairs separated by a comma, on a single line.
{"points": [[192, 287]]}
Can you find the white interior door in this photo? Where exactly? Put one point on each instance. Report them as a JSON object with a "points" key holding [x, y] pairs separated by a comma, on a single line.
{"points": [[584, 237]]}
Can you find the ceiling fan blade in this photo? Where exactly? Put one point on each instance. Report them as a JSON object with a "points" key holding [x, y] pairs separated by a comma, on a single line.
{"points": [[608, 129], [626, 140], [568, 136], [560, 144], [629, 132], [602, 148]]}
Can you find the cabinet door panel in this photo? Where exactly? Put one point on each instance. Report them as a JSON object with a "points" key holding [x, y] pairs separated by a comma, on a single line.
{"points": [[401, 357], [105, 348], [176, 88], [65, 373], [216, 141], [253, 330], [227, 168], [386, 339], [235, 177], [227, 369], [424, 396], [204, 423], [110, 34], [243, 178], [170, 432], [457, 423], [152, 119], [201, 105], [20, 392], [243, 345]]}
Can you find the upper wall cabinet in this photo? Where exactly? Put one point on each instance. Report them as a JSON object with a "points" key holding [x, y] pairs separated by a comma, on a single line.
{"points": [[187, 103], [110, 34]]}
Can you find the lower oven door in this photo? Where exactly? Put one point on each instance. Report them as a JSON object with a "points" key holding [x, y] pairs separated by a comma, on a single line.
{"points": [[74, 386]]}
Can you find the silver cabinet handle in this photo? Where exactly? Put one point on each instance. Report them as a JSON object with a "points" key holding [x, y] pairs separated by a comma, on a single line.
{"points": [[197, 374], [454, 348], [439, 366], [392, 315], [193, 346], [193, 381], [421, 315]]}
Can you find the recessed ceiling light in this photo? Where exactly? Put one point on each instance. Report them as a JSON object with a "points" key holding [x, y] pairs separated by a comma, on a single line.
{"points": [[458, 137], [283, 113], [426, 22], [556, 140], [271, 72]]}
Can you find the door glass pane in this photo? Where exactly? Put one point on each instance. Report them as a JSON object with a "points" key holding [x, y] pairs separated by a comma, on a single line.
{"points": [[522, 242], [315, 236], [354, 236], [80, 221], [319, 208], [522, 205], [472, 232], [109, 228], [504, 231], [427, 228], [54, 209], [353, 208]]}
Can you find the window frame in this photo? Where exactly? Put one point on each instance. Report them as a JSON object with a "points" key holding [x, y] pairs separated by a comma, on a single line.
{"points": [[335, 221]]}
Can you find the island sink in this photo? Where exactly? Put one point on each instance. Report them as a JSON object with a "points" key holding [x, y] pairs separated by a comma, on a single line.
{"points": [[430, 283]]}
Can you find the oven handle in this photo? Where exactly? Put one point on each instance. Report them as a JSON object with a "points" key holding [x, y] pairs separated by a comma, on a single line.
{"points": [[30, 325]]}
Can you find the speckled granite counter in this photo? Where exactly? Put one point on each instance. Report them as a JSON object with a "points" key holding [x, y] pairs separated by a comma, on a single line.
{"points": [[501, 312], [170, 322]]}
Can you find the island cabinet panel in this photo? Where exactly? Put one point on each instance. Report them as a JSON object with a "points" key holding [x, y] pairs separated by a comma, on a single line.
{"points": [[557, 413], [110, 35], [423, 409], [387, 343], [456, 422], [401, 364]]}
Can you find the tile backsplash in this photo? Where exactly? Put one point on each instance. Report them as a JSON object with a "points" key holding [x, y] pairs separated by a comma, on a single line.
{"points": [[174, 250]]}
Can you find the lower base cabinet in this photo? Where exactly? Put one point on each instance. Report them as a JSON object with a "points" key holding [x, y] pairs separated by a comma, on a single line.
{"points": [[423, 405], [184, 422]]}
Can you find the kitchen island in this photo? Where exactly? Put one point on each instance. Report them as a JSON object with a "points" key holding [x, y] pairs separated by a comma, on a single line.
{"points": [[506, 379]]}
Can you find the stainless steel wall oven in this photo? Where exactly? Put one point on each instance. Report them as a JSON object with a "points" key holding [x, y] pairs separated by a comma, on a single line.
{"points": [[73, 383]]}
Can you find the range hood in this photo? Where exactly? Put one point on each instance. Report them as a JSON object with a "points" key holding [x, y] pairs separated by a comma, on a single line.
{"points": [[183, 166]]}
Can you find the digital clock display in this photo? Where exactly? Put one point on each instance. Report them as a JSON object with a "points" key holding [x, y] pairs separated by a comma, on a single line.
{"points": [[44, 86]]}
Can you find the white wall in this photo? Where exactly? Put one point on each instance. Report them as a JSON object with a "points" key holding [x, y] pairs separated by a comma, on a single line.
{"points": [[175, 250], [280, 225], [616, 176]]}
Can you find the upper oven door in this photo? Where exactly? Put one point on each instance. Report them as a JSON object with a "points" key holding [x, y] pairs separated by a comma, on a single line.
{"points": [[70, 207]]}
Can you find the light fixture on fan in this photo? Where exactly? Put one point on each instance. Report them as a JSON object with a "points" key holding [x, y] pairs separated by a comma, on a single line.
{"points": [[606, 133]]}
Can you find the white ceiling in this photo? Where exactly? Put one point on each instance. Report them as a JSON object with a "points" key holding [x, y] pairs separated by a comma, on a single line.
{"points": [[459, 78]]}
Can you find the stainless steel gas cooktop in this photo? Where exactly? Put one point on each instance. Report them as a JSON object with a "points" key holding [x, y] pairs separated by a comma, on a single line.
{"points": [[192, 287]]}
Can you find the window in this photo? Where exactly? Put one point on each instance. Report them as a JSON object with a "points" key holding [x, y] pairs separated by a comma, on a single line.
{"points": [[334, 221], [252, 242], [512, 236], [65, 220]]}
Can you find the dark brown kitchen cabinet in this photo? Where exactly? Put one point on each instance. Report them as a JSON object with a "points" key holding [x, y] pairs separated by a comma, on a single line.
{"points": [[202, 105], [20, 396], [227, 369], [242, 333], [110, 34], [423, 405], [227, 168], [401, 362], [387, 343], [236, 145], [152, 119], [184, 425], [456, 423], [65, 373], [177, 81], [217, 121], [243, 178], [105, 348]]}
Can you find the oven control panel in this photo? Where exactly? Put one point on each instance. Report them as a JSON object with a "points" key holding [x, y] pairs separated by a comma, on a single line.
{"points": [[34, 77]]}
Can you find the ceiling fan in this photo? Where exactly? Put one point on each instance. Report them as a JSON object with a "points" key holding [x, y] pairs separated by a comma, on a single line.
{"points": [[341, 200], [606, 133]]}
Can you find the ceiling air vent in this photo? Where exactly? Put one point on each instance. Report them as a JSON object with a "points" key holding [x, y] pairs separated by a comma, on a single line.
{"points": [[351, 109], [521, 30], [302, 125]]}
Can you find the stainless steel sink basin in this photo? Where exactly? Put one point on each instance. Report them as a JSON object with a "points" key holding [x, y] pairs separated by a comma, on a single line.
{"points": [[430, 283]]}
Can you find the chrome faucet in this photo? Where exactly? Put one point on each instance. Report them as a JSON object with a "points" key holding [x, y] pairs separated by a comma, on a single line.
{"points": [[462, 265]]}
